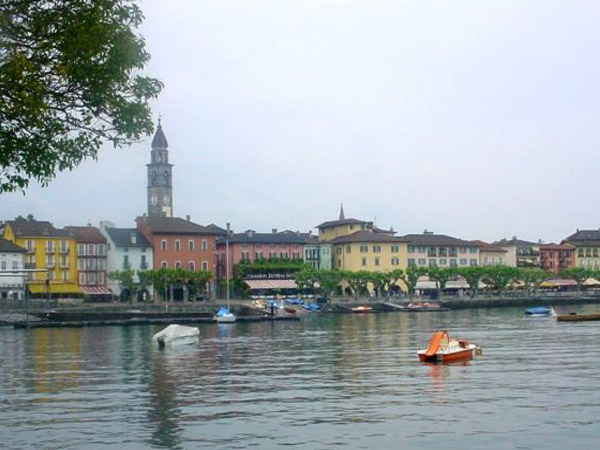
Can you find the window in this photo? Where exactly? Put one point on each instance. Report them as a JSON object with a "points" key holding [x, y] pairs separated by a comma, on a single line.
{"points": [[396, 261], [15, 265], [453, 251], [472, 250], [363, 261], [473, 262], [295, 255], [163, 265], [143, 263], [259, 256], [579, 252], [453, 262], [432, 251], [178, 264], [191, 245], [205, 266], [377, 249], [272, 255], [29, 245], [432, 263], [91, 250], [339, 263], [191, 264], [338, 250], [422, 262], [284, 255], [443, 262], [411, 249], [595, 253], [364, 248], [348, 249], [125, 261], [204, 245], [395, 248], [177, 245], [82, 279], [245, 256], [65, 275], [443, 251], [411, 262], [101, 249], [463, 261], [163, 244], [377, 261], [3, 265]]}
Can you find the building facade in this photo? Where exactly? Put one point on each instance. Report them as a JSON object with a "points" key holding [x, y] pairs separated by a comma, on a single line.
{"points": [[369, 251], [429, 250], [342, 227], [316, 254], [51, 252], [587, 248], [525, 253], [91, 262], [11, 262], [127, 248], [491, 255], [160, 179], [557, 257]]}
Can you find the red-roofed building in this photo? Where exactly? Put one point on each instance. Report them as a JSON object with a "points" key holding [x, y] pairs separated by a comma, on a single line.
{"points": [[556, 257]]}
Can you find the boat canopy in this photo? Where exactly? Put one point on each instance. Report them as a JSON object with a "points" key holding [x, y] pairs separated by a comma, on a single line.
{"points": [[222, 312]]}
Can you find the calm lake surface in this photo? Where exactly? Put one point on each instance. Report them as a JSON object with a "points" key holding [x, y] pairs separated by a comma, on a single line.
{"points": [[346, 381]]}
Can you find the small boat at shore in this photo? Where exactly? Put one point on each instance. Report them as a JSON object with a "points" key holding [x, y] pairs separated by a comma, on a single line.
{"points": [[424, 307], [362, 309], [539, 311], [442, 349], [224, 316], [176, 335], [574, 317]]}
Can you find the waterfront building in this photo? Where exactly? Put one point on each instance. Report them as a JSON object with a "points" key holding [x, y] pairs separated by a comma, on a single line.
{"points": [[587, 248], [181, 243], [491, 255], [342, 227], [317, 254], [557, 257], [127, 249], [11, 259], [369, 250], [91, 262], [430, 249], [520, 253], [49, 250], [160, 180]]}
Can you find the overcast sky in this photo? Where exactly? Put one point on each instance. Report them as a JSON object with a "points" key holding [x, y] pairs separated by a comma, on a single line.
{"points": [[469, 118]]}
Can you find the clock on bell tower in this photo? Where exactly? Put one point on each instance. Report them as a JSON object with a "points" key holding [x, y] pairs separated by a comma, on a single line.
{"points": [[160, 186]]}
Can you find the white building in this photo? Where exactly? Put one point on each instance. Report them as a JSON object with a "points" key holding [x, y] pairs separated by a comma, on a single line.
{"points": [[127, 248], [11, 259]]}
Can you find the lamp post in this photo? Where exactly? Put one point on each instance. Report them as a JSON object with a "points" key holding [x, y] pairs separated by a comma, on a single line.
{"points": [[227, 263]]}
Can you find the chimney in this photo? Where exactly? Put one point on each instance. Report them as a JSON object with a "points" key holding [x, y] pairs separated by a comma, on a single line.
{"points": [[250, 233], [426, 231], [514, 238], [188, 217], [274, 230]]}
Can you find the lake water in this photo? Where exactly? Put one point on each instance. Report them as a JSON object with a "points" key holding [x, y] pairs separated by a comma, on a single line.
{"points": [[327, 381]]}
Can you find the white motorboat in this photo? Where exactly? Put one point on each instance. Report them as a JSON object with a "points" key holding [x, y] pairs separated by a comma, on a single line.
{"points": [[224, 316], [176, 335]]}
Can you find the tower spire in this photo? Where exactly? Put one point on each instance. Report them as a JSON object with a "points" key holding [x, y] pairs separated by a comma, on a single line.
{"points": [[342, 216]]}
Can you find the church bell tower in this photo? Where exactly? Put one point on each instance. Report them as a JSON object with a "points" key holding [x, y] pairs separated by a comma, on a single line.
{"points": [[160, 181]]}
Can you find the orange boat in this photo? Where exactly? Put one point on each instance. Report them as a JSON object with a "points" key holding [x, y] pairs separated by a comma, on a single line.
{"points": [[442, 349], [362, 309]]}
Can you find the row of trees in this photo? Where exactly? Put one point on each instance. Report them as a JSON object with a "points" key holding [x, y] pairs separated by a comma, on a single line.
{"points": [[495, 278], [135, 282]]}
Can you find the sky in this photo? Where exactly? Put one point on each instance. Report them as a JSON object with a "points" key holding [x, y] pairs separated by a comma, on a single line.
{"points": [[468, 118]]}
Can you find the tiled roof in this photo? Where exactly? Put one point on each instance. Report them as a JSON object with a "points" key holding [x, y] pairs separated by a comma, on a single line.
{"points": [[251, 237], [336, 223], [35, 228], [121, 237], [9, 247], [585, 238], [175, 225], [367, 236], [514, 242], [557, 247], [485, 247], [159, 140], [87, 234], [216, 229], [430, 239]]}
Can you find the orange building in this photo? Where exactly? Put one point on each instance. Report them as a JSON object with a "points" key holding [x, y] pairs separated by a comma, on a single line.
{"points": [[556, 257]]}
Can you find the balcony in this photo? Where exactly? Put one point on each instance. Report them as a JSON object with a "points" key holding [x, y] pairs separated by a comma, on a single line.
{"points": [[64, 265], [30, 265], [50, 265], [50, 250], [64, 251]]}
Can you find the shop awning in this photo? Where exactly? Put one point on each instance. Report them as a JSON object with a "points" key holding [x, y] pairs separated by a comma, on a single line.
{"points": [[271, 284], [558, 283], [96, 290], [55, 289]]}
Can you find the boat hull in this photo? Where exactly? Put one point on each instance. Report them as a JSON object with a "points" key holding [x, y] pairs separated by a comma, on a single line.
{"points": [[226, 318], [577, 317], [459, 355]]}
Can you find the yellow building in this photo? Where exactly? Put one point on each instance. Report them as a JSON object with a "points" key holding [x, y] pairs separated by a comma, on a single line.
{"points": [[587, 248], [341, 227], [369, 250], [50, 250]]}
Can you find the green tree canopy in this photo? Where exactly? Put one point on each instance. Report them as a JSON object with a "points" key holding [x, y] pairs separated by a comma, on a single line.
{"points": [[69, 80]]}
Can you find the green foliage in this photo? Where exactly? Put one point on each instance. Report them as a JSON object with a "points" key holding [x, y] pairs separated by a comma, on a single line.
{"points": [[126, 281], [70, 79], [329, 280], [441, 276], [498, 277], [306, 278], [578, 274], [472, 275], [532, 278], [411, 277]]}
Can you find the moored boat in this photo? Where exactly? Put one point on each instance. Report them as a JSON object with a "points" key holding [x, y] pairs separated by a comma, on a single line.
{"points": [[224, 316], [574, 317], [362, 309], [539, 311], [442, 349], [176, 335]]}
